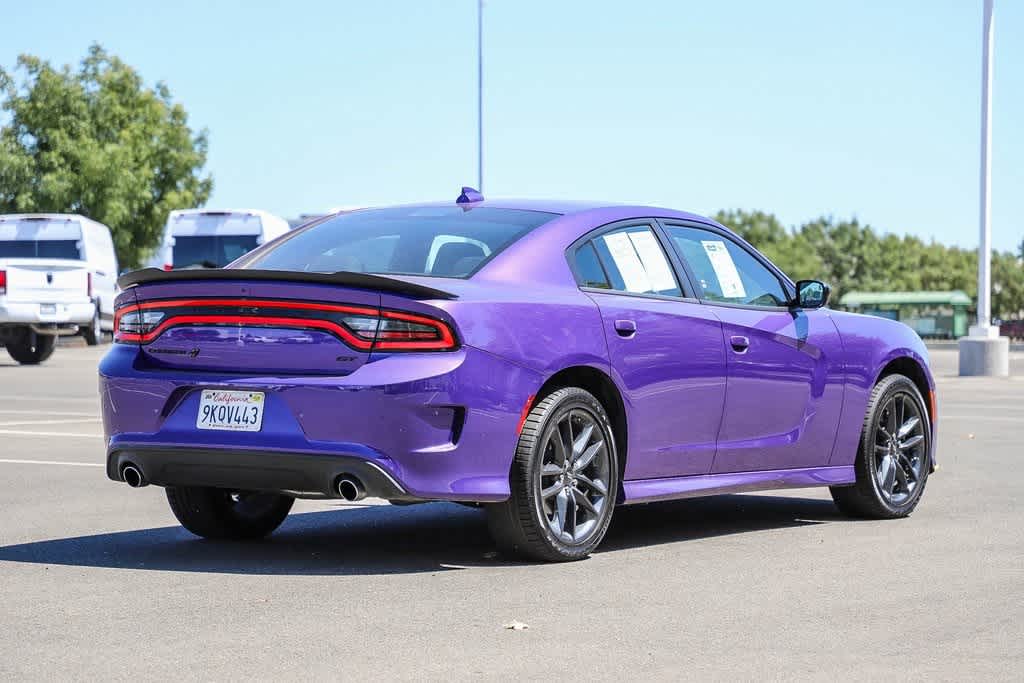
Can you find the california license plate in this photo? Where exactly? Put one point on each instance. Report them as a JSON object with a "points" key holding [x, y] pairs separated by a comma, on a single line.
{"points": [[234, 411]]}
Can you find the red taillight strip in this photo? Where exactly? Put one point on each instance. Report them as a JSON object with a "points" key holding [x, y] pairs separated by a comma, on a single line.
{"points": [[446, 341], [249, 321]]}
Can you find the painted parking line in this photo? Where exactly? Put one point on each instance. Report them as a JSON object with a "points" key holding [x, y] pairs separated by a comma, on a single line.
{"points": [[10, 461], [59, 413], [24, 432], [55, 399], [76, 420]]}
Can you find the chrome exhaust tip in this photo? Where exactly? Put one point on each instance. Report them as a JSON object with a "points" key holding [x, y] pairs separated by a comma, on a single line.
{"points": [[350, 488], [132, 476]]}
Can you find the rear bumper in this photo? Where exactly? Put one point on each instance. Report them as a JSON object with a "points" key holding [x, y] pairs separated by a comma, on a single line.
{"points": [[418, 426], [303, 475], [28, 313]]}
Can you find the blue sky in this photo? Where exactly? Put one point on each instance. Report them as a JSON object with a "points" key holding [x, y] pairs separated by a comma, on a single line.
{"points": [[801, 108]]}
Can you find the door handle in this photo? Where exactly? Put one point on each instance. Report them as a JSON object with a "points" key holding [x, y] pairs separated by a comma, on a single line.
{"points": [[625, 328], [739, 344]]}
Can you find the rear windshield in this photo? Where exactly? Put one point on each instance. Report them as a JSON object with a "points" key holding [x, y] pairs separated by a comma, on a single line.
{"points": [[62, 249], [447, 241], [211, 251]]}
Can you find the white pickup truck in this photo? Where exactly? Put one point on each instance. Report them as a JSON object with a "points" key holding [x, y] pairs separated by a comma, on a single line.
{"points": [[55, 274]]}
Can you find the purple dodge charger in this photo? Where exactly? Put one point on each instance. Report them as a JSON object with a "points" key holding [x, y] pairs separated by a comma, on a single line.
{"points": [[548, 360]]}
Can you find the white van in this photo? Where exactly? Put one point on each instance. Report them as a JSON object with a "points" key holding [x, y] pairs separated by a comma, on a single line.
{"points": [[203, 238], [58, 276]]}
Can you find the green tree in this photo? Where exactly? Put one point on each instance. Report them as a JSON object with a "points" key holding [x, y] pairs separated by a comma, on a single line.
{"points": [[98, 142], [1007, 286], [789, 252], [851, 256]]}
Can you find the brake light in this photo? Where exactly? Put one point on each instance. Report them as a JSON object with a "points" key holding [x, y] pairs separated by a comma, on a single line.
{"points": [[132, 325], [408, 332], [3, 281], [366, 329], [168, 267]]}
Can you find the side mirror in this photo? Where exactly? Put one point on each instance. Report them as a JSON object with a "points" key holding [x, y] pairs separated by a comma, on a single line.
{"points": [[811, 294]]}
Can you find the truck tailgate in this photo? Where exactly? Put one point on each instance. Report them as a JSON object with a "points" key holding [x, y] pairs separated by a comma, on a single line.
{"points": [[46, 280]]}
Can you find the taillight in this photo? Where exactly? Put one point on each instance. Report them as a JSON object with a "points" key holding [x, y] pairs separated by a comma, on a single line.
{"points": [[3, 281], [366, 329], [132, 325], [168, 267], [409, 332]]}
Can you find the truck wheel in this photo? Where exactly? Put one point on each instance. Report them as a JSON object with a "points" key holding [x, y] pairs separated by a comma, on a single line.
{"points": [[94, 333], [31, 348], [227, 514]]}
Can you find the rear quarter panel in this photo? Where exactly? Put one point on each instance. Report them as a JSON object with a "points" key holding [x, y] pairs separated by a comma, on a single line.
{"points": [[869, 344], [542, 328]]}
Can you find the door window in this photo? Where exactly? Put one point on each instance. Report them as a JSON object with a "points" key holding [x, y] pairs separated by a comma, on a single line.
{"points": [[725, 271], [628, 260]]}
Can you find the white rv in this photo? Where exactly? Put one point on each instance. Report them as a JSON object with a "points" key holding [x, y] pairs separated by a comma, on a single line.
{"points": [[203, 238], [58, 276]]}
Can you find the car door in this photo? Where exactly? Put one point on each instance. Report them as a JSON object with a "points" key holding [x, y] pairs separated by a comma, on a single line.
{"points": [[785, 375], [666, 350]]}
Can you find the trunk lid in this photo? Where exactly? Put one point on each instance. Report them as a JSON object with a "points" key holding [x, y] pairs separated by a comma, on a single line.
{"points": [[273, 323], [276, 337], [45, 280]]}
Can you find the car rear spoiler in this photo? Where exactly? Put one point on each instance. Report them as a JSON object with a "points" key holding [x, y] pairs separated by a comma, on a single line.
{"points": [[361, 280]]}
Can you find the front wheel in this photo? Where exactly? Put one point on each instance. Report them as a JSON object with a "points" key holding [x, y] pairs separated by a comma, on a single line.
{"points": [[31, 348], [227, 514], [564, 481], [893, 461]]}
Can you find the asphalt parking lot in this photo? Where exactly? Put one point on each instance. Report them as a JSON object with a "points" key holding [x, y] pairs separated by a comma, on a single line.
{"points": [[97, 581]]}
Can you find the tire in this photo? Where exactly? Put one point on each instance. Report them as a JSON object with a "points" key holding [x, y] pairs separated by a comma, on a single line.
{"points": [[31, 348], [867, 497], [93, 334], [521, 526], [226, 514]]}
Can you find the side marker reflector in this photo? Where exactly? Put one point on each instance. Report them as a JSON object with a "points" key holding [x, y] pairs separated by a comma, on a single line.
{"points": [[526, 411]]}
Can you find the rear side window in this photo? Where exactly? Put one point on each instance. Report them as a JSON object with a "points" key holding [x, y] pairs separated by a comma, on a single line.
{"points": [[725, 271], [589, 269], [211, 251], [627, 260], [442, 241]]}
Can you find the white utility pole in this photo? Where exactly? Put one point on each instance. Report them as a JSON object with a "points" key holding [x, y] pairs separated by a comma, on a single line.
{"points": [[985, 182], [983, 351], [480, 96]]}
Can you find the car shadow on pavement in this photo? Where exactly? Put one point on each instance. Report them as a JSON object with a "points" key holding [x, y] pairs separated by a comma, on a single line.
{"points": [[431, 537]]}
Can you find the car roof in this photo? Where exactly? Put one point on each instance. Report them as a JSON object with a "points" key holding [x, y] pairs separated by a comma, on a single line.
{"points": [[566, 207]]}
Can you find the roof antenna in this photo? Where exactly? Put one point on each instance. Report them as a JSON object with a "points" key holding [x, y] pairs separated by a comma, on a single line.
{"points": [[468, 196]]}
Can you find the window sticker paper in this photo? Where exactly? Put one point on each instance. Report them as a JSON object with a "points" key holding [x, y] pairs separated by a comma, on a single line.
{"points": [[628, 262], [653, 259], [725, 269]]}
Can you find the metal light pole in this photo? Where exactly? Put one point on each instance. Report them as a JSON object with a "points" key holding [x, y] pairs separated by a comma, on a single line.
{"points": [[983, 351], [985, 175], [480, 96]]}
